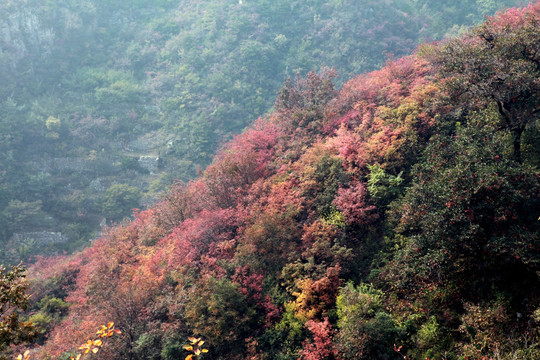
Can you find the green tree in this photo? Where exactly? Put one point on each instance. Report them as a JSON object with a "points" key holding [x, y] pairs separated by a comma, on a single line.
{"points": [[383, 187], [470, 217], [118, 201], [218, 310], [497, 62], [365, 330], [53, 125], [22, 214]]}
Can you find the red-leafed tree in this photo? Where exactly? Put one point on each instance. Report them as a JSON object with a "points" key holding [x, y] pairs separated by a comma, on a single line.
{"points": [[322, 346], [353, 202], [209, 233], [239, 164]]}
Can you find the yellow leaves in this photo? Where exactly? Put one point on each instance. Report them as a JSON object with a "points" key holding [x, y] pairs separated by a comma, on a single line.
{"points": [[91, 346], [195, 346], [306, 306], [101, 331], [94, 345], [107, 331], [24, 356], [87, 346]]}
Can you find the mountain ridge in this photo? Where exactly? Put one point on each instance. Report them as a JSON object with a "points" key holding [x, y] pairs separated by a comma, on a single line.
{"points": [[392, 218]]}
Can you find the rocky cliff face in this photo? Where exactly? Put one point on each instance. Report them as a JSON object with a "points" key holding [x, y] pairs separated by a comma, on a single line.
{"points": [[22, 32], [41, 242]]}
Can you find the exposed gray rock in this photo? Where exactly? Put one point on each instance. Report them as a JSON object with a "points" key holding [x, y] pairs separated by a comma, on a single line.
{"points": [[96, 185], [39, 238], [65, 165], [150, 163], [38, 242], [22, 32], [24, 244]]}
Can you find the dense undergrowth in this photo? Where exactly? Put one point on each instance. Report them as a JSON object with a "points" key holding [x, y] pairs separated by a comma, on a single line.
{"points": [[398, 214]]}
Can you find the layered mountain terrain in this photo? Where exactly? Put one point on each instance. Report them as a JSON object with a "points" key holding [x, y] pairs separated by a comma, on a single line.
{"points": [[395, 217], [104, 103]]}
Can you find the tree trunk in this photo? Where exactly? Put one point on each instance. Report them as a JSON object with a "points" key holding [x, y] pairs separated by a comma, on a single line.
{"points": [[516, 139], [515, 128]]}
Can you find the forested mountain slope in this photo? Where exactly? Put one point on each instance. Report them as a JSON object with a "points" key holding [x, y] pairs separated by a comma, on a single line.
{"points": [[104, 102], [395, 217]]}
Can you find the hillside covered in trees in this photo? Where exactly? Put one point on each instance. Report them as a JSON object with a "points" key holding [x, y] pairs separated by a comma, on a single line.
{"points": [[397, 217], [104, 103]]}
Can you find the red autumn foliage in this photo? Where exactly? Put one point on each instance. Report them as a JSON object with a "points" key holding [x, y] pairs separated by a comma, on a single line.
{"points": [[209, 233], [240, 163], [354, 205], [251, 286], [322, 346]]}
